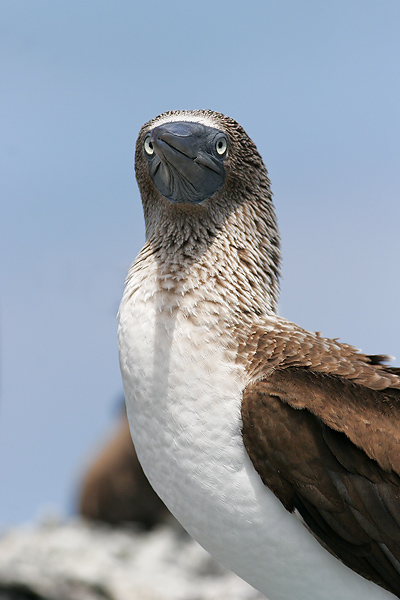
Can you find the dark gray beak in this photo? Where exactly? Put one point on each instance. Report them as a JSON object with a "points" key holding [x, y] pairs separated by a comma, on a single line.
{"points": [[186, 160]]}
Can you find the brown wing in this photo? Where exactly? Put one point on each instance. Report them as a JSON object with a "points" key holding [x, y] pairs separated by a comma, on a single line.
{"points": [[330, 449]]}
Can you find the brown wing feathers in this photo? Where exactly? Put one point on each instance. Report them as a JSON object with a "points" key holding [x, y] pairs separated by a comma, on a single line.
{"points": [[330, 448]]}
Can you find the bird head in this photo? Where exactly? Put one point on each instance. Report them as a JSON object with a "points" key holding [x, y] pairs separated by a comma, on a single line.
{"points": [[192, 157]]}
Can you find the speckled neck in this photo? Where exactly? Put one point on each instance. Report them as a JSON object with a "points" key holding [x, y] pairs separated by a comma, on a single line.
{"points": [[230, 238], [239, 270]]}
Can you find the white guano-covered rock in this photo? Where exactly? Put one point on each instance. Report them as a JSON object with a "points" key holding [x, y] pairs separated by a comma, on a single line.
{"points": [[77, 561]]}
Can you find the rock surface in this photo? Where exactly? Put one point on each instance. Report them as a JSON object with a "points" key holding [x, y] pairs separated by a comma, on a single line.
{"points": [[74, 560]]}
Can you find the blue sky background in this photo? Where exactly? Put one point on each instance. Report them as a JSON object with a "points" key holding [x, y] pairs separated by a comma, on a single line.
{"points": [[316, 84]]}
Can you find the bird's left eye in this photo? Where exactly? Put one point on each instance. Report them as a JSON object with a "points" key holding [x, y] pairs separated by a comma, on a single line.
{"points": [[221, 145], [148, 146]]}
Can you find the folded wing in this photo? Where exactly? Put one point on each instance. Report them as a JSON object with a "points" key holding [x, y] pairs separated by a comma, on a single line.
{"points": [[328, 446]]}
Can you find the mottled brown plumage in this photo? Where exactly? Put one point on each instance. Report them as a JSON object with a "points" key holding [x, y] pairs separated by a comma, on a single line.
{"points": [[321, 426]]}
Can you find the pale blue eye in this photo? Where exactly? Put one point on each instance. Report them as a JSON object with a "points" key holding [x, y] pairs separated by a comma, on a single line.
{"points": [[221, 145], [148, 146]]}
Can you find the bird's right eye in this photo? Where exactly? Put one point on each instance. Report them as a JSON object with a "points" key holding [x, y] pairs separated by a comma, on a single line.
{"points": [[148, 146]]}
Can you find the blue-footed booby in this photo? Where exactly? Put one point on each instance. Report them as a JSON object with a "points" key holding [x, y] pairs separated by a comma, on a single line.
{"points": [[277, 449]]}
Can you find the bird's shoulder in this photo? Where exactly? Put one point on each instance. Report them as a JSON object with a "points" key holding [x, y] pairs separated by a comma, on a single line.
{"points": [[350, 392]]}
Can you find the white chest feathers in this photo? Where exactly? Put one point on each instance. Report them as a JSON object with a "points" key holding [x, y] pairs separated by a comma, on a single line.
{"points": [[181, 383], [183, 391]]}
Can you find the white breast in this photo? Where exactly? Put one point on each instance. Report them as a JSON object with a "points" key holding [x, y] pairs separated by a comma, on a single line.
{"points": [[183, 392]]}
